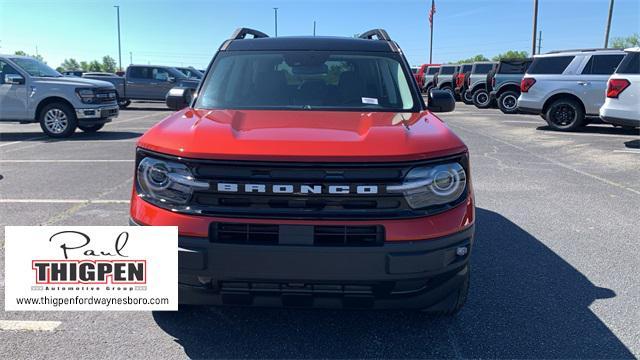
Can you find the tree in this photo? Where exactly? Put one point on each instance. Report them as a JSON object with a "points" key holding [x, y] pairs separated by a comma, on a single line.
{"points": [[95, 66], [478, 57], [630, 41], [38, 56], [70, 64], [84, 66], [108, 64], [511, 54]]}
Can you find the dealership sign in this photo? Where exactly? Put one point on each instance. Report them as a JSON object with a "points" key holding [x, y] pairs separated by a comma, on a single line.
{"points": [[91, 268]]}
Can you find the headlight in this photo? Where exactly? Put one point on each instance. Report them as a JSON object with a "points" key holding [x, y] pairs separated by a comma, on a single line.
{"points": [[87, 96], [165, 182], [432, 185]]}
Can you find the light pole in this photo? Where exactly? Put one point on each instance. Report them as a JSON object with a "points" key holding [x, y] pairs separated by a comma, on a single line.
{"points": [[119, 48], [606, 34], [130, 58], [314, 28], [275, 12], [535, 27]]}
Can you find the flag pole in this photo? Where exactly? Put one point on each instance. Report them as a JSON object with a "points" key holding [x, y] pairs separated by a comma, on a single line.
{"points": [[431, 28]]}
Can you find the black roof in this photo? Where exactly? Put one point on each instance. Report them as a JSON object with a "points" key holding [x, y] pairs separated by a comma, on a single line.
{"points": [[310, 43]]}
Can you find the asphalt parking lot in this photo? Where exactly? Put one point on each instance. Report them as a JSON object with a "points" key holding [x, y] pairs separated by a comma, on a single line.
{"points": [[555, 268]]}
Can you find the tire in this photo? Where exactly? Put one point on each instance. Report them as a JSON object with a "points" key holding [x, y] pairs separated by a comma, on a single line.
{"points": [[467, 97], [91, 128], [453, 303], [58, 120], [508, 102], [565, 115], [481, 99], [123, 103]]}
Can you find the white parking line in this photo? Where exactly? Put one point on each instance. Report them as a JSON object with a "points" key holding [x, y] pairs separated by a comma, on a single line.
{"points": [[522, 122], [61, 201], [16, 325], [28, 139], [630, 151], [619, 136], [66, 161]]}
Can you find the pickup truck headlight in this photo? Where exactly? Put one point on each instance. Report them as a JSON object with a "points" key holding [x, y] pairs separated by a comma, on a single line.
{"points": [[432, 185], [166, 183], [87, 96]]}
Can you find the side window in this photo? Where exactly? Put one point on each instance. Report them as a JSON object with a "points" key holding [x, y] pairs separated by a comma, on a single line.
{"points": [[160, 74], [602, 64], [630, 64], [550, 65], [6, 69], [139, 72]]}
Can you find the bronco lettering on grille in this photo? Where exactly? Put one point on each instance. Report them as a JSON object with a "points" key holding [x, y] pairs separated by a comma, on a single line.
{"points": [[303, 189]]}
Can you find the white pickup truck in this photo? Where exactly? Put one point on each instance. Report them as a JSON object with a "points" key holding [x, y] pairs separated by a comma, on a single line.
{"points": [[31, 91]]}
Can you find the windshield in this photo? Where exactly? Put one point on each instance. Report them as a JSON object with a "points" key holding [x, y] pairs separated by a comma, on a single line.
{"points": [[312, 80], [35, 67]]}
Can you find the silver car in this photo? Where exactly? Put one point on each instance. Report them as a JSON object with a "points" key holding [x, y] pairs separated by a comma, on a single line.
{"points": [[477, 90], [568, 87]]}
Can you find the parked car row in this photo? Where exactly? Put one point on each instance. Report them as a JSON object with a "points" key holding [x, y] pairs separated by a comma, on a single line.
{"points": [[568, 89]]}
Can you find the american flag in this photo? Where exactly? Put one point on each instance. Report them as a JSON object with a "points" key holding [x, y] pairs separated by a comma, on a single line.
{"points": [[432, 11]]}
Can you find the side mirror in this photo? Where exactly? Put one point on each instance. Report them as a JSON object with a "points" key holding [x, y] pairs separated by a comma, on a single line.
{"points": [[440, 101], [179, 98], [13, 79]]}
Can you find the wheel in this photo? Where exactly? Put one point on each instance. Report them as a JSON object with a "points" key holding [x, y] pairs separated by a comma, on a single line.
{"points": [[565, 115], [122, 103], [91, 128], [508, 102], [58, 120], [467, 97], [453, 303], [481, 99]]}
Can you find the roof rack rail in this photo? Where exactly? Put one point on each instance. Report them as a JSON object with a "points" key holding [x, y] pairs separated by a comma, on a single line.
{"points": [[581, 50], [242, 33], [381, 34]]}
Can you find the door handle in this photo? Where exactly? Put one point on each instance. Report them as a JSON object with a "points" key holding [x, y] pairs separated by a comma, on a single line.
{"points": [[583, 83]]}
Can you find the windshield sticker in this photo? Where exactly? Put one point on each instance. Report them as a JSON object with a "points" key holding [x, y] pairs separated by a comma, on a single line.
{"points": [[366, 100]]}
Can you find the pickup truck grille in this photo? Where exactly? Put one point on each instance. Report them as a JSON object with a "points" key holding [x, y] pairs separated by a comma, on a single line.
{"points": [[106, 95]]}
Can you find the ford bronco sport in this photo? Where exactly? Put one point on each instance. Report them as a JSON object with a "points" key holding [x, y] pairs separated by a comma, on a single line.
{"points": [[503, 83], [307, 171]]}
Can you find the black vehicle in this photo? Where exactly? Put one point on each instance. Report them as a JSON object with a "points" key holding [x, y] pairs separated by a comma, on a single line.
{"points": [[503, 83]]}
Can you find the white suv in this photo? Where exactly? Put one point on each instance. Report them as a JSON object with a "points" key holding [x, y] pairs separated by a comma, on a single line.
{"points": [[568, 87], [622, 106]]}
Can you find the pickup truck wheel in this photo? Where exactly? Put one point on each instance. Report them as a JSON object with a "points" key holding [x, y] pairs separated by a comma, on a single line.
{"points": [[123, 103], [91, 128], [481, 99], [467, 97], [58, 120], [453, 303], [508, 102], [565, 115]]}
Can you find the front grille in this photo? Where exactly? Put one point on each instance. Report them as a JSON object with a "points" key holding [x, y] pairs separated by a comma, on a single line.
{"points": [[106, 95], [313, 235]]}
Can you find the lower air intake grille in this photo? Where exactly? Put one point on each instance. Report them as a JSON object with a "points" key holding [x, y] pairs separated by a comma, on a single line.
{"points": [[318, 235]]}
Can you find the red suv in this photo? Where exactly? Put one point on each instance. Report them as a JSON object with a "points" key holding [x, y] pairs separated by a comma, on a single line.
{"points": [[308, 171], [421, 73]]}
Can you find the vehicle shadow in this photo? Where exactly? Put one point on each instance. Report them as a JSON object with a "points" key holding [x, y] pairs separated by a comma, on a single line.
{"points": [[598, 129], [78, 136], [525, 302], [633, 144]]}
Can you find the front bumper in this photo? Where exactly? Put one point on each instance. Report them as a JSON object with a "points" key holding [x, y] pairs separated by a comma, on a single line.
{"points": [[406, 274], [98, 114]]}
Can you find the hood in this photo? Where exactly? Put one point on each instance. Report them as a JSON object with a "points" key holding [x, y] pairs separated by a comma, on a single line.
{"points": [[302, 135], [74, 81]]}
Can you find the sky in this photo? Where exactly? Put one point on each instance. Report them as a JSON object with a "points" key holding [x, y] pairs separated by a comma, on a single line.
{"points": [[188, 33]]}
